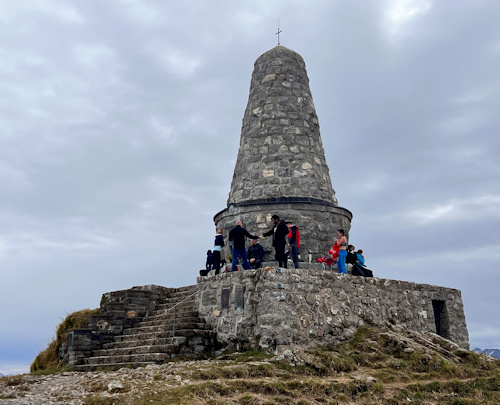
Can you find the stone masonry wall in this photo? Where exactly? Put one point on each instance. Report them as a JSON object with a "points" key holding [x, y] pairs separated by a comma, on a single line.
{"points": [[281, 153], [258, 308]]}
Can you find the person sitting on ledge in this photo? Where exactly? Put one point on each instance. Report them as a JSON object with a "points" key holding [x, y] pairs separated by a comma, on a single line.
{"points": [[359, 269], [360, 263], [209, 265], [351, 255], [255, 254]]}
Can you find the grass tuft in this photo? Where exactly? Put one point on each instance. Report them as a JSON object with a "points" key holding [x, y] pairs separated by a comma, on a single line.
{"points": [[49, 358]]}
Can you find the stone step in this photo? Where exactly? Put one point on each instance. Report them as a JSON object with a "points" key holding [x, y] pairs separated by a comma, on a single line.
{"points": [[190, 338], [182, 313], [139, 336], [147, 342], [178, 296], [129, 359], [176, 300], [136, 349], [166, 309], [163, 334], [163, 328], [170, 302], [114, 366], [181, 291], [168, 321]]}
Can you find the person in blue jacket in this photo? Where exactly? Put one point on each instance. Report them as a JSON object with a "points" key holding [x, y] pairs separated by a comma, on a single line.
{"points": [[360, 266], [353, 258]]}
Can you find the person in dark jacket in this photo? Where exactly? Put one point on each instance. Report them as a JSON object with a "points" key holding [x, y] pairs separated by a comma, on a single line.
{"points": [[237, 236], [351, 255], [352, 258], [255, 254], [279, 232], [209, 265], [218, 244]]}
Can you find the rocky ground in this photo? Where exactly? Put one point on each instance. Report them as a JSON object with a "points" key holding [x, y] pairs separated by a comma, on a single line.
{"points": [[75, 388], [375, 367]]}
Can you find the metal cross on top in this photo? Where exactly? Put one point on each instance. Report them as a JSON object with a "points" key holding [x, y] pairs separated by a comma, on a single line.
{"points": [[278, 33]]}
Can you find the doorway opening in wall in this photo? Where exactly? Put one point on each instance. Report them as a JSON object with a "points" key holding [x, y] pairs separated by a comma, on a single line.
{"points": [[441, 318]]}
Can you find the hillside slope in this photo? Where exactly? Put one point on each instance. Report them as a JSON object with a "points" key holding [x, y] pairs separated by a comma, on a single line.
{"points": [[375, 367]]}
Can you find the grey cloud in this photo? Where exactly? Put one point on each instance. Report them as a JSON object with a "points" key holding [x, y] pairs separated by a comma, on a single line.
{"points": [[121, 124]]}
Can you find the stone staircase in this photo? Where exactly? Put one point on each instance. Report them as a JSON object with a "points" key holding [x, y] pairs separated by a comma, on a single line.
{"points": [[173, 328]]}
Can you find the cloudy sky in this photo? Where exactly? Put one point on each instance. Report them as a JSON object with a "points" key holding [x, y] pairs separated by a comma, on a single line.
{"points": [[120, 124]]}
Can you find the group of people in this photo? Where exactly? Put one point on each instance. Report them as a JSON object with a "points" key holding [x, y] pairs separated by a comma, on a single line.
{"points": [[283, 233], [357, 259], [348, 255]]}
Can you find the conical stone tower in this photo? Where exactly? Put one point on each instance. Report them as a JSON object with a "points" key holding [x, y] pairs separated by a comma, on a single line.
{"points": [[281, 167]]}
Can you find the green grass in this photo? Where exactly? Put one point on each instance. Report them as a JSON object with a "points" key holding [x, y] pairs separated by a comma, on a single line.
{"points": [[49, 358]]}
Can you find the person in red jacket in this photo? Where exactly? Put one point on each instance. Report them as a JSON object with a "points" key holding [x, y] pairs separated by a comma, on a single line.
{"points": [[294, 242]]}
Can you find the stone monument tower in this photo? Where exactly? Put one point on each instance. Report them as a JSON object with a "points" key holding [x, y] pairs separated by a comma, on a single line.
{"points": [[281, 167]]}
